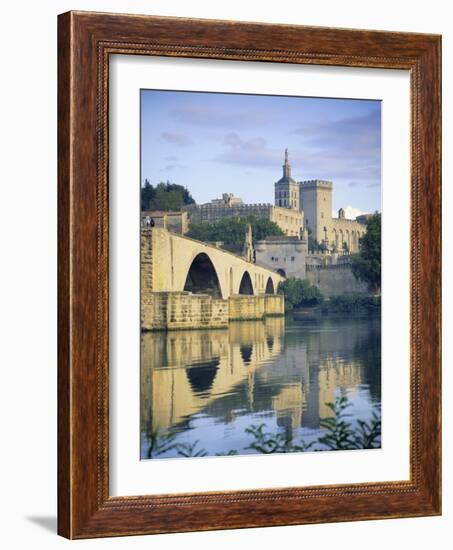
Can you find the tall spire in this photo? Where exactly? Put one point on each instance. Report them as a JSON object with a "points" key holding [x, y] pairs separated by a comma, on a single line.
{"points": [[286, 166]]}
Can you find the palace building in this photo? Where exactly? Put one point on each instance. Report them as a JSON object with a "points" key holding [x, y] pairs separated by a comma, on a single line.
{"points": [[290, 221], [299, 207], [314, 199]]}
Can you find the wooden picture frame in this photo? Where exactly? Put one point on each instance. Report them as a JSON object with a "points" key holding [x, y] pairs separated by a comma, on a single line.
{"points": [[85, 42]]}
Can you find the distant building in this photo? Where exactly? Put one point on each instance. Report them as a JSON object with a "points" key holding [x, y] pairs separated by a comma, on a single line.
{"points": [[229, 206], [177, 222], [335, 233], [298, 206], [286, 255], [227, 199], [287, 189]]}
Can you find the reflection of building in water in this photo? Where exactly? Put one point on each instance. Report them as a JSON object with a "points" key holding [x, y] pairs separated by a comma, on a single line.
{"points": [[333, 374], [200, 366], [255, 368], [289, 405], [327, 377], [312, 369], [311, 379]]}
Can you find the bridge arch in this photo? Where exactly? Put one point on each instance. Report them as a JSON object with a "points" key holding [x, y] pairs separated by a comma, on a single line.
{"points": [[246, 286], [270, 286], [202, 277], [246, 351], [201, 376]]}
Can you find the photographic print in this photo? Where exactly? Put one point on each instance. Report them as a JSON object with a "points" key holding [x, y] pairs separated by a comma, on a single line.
{"points": [[260, 239]]}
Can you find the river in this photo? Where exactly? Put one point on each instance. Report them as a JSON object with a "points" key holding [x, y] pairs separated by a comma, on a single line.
{"points": [[204, 388]]}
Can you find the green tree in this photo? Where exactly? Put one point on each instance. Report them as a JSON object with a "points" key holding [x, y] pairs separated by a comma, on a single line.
{"points": [[299, 293], [352, 303], [231, 231], [164, 196], [147, 195], [366, 265]]}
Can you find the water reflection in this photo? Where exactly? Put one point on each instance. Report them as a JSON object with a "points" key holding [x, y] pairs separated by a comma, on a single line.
{"points": [[209, 385], [201, 376]]}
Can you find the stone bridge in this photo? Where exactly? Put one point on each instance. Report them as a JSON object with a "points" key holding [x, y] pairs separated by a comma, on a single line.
{"points": [[201, 284], [175, 263]]}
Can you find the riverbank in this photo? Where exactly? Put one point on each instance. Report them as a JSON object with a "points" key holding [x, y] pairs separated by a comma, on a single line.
{"points": [[356, 305]]}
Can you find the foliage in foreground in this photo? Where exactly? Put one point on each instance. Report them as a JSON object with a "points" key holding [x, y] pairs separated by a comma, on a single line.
{"points": [[267, 442], [159, 444], [300, 293], [339, 433]]}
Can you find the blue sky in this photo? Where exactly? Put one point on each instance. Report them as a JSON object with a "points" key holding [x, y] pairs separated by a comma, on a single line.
{"points": [[216, 143]]}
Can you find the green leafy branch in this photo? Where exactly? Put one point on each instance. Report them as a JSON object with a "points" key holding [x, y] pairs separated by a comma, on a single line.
{"points": [[339, 434], [267, 442]]}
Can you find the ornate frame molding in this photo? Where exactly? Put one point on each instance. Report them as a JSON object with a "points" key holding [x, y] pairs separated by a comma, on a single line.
{"points": [[86, 40]]}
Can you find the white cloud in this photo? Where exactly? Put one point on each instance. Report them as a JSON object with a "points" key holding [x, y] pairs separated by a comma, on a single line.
{"points": [[350, 213]]}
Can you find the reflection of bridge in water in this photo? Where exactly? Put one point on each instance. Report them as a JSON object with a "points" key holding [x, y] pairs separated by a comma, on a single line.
{"points": [[256, 368], [199, 366]]}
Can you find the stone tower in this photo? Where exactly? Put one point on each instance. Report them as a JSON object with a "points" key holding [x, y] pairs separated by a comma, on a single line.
{"points": [[286, 188], [316, 202], [249, 253]]}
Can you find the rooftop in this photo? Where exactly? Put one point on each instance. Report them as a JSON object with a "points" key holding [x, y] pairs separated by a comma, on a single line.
{"points": [[310, 184]]}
